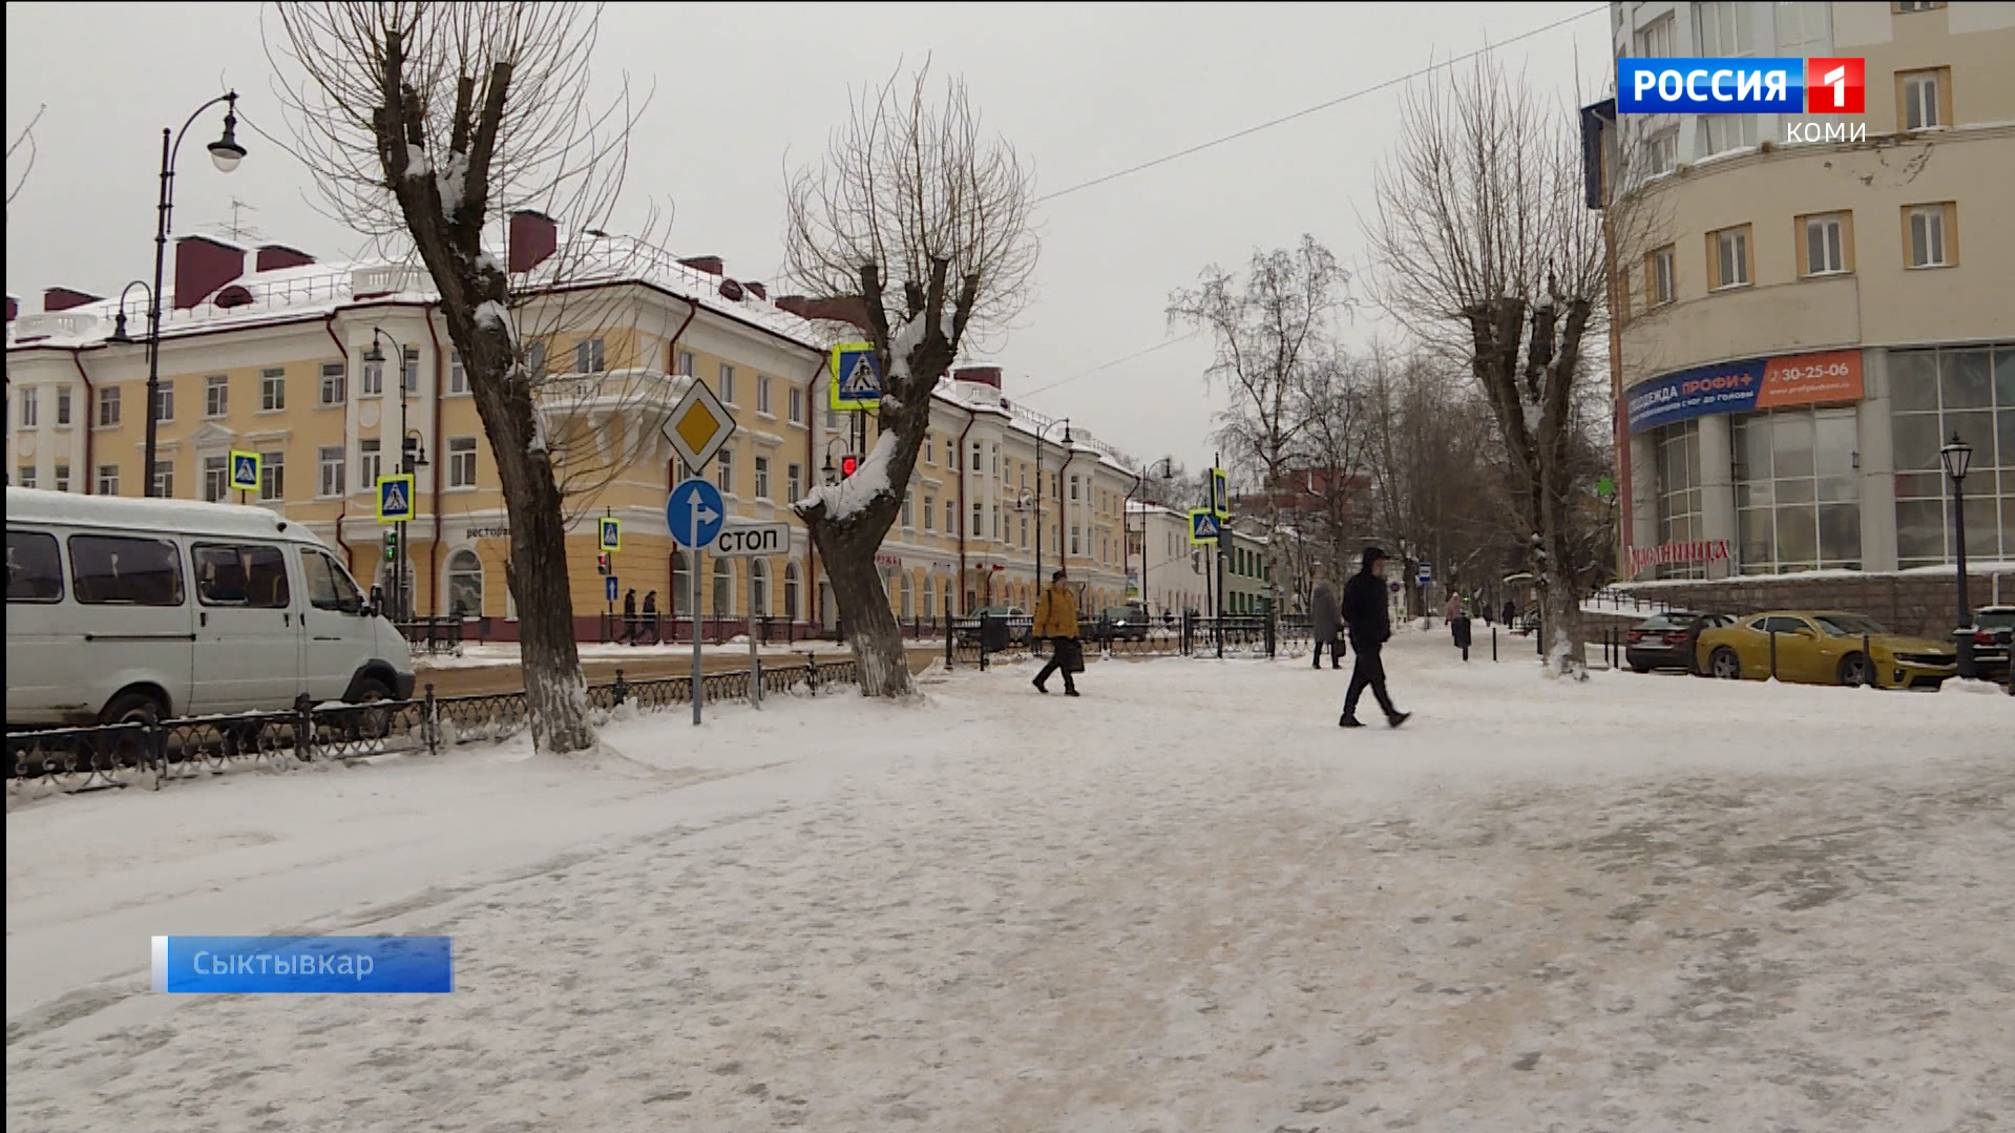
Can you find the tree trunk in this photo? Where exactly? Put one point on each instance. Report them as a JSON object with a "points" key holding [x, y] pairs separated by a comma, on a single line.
{"points": [[555, 689], [872, 632]]}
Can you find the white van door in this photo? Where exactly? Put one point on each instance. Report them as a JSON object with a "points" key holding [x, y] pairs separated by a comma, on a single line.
{"points": [[339, 637], [129, 602], [44, 662], [248, 654]]}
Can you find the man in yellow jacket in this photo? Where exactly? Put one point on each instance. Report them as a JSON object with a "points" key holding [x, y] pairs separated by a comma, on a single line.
{"points": [[1056, 619]]}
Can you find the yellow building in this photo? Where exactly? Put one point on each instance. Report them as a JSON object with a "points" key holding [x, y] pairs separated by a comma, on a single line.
{"points": [[268, 351]]}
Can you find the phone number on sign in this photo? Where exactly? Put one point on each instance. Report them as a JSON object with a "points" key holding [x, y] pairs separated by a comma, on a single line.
{"points": [[1809, 373]]}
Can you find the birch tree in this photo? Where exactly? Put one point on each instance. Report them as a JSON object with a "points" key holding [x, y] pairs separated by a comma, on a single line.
{"points": [[918, 220], [423, 123]]}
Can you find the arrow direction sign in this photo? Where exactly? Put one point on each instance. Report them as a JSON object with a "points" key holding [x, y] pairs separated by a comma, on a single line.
{"points": [[694, 513]]}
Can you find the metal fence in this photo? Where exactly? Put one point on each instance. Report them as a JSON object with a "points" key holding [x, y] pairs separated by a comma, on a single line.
{"points": [[67, 760], [975, 641]]}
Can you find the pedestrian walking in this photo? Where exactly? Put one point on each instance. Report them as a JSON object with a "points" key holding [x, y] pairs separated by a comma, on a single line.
{"points": [[651, 617], [1451, 610], [1510, 614], [1324, 621], [1056, 619], [1369, 619], [630, 616]]}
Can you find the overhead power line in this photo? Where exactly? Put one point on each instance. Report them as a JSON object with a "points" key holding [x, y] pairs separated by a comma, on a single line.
{"points": [[1170, 341], [1321, 106]]}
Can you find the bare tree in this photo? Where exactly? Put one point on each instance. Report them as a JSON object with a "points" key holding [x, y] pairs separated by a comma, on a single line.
{"points": [[1332, 405], [911, 198], [424, 123], [1486, 249], [1267, 331], [23, 146]]}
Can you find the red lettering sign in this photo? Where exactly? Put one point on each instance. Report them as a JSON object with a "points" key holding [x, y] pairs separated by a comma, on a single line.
{"points": [[1811, 379]]}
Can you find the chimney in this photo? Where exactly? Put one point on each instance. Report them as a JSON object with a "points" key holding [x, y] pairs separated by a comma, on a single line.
{"points": [[273, 257], [983, 375], [202, 265], [849, 310], [731, 291], [533, 237], [59, 299], [756, 289], [712, 265]]}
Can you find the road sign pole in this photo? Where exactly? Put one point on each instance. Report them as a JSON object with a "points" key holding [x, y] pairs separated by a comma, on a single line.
{"points": [[755, 661], [699, 690]]}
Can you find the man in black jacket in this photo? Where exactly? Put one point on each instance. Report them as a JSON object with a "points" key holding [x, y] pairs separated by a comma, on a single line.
{"points": [[1366, 613]]}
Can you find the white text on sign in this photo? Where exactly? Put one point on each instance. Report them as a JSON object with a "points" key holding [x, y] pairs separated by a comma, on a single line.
{"points": [[754, 539]]}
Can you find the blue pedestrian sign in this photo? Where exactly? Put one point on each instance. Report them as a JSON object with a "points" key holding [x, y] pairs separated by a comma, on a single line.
{"points": [[1204, 526], [395, 498], [609, 588], [695, 513], [244, 471], [857, 377]]}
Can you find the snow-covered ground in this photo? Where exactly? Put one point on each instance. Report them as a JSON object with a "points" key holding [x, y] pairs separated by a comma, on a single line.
{"points": [[1185, 901]]}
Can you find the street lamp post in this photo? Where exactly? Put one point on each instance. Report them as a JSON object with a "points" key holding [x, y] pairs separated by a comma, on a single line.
{"points": [[225, 153], [1957, 455], [412, 457], [1167, 466], [1065, 422]]}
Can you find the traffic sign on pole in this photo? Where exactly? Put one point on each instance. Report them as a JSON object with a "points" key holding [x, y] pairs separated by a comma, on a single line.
{"points": [[1220, 493], [695, 512], [699, 425], [612, 534], [751, 540], [1425, 574], [609, 587], [244, 471], [1203, 527], [395, 498], [857, 377]]}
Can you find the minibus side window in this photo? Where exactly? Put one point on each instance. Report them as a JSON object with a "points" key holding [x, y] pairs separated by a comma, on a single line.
{"points": [[245, 574], [125, 571], [34, 573], [329, 587]]}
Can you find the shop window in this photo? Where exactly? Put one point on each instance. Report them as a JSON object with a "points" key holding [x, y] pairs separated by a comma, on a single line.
{"points": [[1933, 395]]}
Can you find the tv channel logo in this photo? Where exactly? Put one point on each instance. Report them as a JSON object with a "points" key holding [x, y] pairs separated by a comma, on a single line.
{"points": [[1741, 86]]}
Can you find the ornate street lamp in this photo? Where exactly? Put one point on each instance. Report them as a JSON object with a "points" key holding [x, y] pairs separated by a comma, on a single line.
{"points": [[1957, 456]]}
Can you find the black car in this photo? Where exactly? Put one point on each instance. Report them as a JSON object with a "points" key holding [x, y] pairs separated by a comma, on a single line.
{"points": [[1120, 623], [1667, 640], [1994, 627]]}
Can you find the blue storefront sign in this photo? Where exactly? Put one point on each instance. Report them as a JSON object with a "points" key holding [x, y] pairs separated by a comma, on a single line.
{"points": [[1727, 387]]}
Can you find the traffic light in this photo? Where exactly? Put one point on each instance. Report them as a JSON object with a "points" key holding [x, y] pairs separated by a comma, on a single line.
{"points": [[392, 545], [409, 453], [849, 465], [602, 563]]}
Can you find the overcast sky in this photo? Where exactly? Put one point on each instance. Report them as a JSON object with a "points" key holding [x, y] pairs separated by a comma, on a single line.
{"points": [[1082, 89]]}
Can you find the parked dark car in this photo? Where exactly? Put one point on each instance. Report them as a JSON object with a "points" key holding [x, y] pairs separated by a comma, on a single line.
{"points": [[1667, 640], [1995, 626], [1019, 624], [1120, 623]]}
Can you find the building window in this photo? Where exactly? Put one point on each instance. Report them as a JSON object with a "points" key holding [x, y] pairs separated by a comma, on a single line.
{"points": [[1720, 133], [1926, 98], [63, 405], [951, 457], [762, 477], [589, 356], [333, 381], [216, 396], [461, 462], [371, 382], [1073, 489], [458, 376], [1728, 258], [370, 468], [909, 511], [31, 407], [329, 464], [272, 475], [1721, 28], [216, 478], [108, 479], [1679, 495], [791, 591], [1024, 532], [930, 513], [727, 384], [951, 519], [724, 588], [759, 588], [763, 394], [1826, 245], [62, 477], [164, 401], [24, 476], [465, 585], [108, 406], [535, 362], [1802, 28], [272, 390], [1074, 548], [686, 363], [1930, 235], [1907, 7], [682, 585], [979, 456], [979, 520], [794, 483], [164, 479], [409, 368], [1796, 496], [1654, 40], [1934, 394], [724, 470], [798, 407], [930, 450]]}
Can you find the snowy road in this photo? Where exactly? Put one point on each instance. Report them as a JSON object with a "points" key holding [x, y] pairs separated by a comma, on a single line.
{"points": [[1186, 901]]}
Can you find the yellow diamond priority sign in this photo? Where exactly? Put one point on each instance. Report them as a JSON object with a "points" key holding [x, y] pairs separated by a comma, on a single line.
{"points": [[699, 425]]}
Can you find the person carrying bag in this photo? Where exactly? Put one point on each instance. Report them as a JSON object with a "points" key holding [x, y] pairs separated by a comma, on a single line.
{"points": [[1056, 619]]}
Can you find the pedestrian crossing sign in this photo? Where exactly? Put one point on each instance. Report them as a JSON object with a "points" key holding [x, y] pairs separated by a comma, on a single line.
{"points": [[395, 498], [612, 534], [245, 471], [1203, 527], [857, 377]]}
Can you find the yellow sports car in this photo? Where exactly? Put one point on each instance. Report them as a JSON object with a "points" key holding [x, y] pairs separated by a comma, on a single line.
{"points": [[1823, 648]]}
